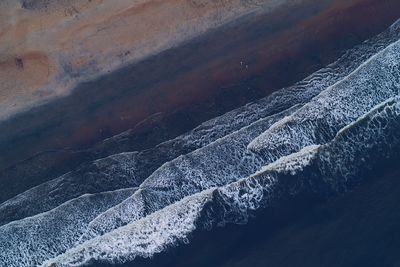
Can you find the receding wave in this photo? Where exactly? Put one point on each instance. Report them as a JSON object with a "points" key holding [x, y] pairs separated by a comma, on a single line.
{"points": [[318, 121], [320, 135], [309, 169], [216, 164], [131, 168], [32, 240]]}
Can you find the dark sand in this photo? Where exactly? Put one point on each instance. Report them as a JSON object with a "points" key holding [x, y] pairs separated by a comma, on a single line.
{"points": [[184, 86]]}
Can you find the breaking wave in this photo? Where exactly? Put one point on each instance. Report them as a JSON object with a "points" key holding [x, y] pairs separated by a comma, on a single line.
{"points": [[320, 135], [131, 168], [309, 169]]}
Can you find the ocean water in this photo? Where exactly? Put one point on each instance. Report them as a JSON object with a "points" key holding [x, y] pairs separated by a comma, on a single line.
{"points": [[320, 136]]}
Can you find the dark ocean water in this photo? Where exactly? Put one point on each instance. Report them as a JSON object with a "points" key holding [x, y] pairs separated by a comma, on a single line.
{"points": [[304, 177], [355, 229]]}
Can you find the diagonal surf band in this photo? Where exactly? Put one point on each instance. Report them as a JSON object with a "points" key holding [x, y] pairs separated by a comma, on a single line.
{"points": [[241, 61], [335, 127]]}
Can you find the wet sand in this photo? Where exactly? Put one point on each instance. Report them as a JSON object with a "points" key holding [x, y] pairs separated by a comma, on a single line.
{"points": [[173, 91]]}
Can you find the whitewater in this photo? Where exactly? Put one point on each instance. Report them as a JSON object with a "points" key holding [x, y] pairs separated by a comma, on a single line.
{"points": [[307, 137]]}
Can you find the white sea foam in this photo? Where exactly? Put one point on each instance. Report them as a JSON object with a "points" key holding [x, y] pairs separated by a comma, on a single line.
{"points": [[30, 241], [318, 121], [143, 238], [144, 163], [111, 173], [357, 147], [294, 162], [216, 164], [177, 198], [204, 168], [232, 202]]}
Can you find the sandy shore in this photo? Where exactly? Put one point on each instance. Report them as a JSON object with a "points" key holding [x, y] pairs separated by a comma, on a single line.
{"points": [[170, 92], [49, 46]]}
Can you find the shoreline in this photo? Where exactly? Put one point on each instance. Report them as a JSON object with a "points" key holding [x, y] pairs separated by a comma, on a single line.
{"points": [[231, 66]]}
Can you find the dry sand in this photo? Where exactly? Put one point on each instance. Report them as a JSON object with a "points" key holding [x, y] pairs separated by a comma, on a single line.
{"points": [[48, 46]]}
